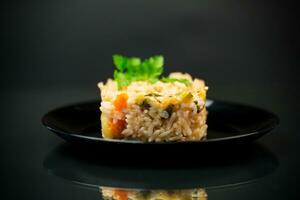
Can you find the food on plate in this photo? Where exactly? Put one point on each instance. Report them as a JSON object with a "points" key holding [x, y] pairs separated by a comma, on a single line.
{"points": [[140, 104], [129, 194]]}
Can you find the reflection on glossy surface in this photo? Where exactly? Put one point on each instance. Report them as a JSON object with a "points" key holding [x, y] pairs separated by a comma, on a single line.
{"points": [[218, 169], [140, 194]]}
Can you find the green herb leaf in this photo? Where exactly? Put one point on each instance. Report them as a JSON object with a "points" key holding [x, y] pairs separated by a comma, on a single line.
{"points": [[170, 109], [120, 62], [131, 69], [172, 80], [153, 95], [121, 79], [145, 104]]}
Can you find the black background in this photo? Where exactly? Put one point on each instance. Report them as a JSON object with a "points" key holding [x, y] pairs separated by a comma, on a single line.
{"points": [[54, 52]]}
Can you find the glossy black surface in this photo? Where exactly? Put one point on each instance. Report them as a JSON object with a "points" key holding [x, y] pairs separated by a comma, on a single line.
{"points": [[217, 170], [54, 53], [228, 123]]}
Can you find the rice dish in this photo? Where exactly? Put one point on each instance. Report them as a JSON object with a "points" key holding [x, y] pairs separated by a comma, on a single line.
{"points": [[167, 109]]}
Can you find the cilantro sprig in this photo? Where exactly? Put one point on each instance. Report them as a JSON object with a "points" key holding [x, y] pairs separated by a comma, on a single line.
{"points": [[130, 69]]}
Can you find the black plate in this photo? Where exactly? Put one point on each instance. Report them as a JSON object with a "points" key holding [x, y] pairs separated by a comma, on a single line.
{"points": [[228, 123]]}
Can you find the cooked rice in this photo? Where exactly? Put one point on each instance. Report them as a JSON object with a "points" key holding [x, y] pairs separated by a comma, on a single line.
{"points": [[154, 122]]}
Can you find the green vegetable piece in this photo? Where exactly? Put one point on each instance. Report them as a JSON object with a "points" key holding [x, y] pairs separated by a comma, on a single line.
{"points": [[170, 109], [198, 107], [172, 80], [153, 95], [145, 105]]}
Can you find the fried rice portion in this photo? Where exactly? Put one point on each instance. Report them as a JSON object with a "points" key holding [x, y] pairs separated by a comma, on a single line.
{"points": [[154, 112]]}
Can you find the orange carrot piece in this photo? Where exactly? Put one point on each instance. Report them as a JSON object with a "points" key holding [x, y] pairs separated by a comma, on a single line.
{"points": [[121, 194], [121, 102], [117, 128]]}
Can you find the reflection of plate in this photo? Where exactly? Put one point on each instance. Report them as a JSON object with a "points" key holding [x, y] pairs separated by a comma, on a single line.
{"points": [[126, 194], [227, 168], [227, 123]]}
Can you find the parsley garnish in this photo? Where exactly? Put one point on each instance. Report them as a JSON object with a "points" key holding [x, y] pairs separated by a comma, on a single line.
{"points": [[129, 69]]}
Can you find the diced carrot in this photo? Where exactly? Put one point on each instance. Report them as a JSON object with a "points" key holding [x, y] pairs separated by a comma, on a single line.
{"points": [[121, 102], [121, 194], [117, 128]]}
